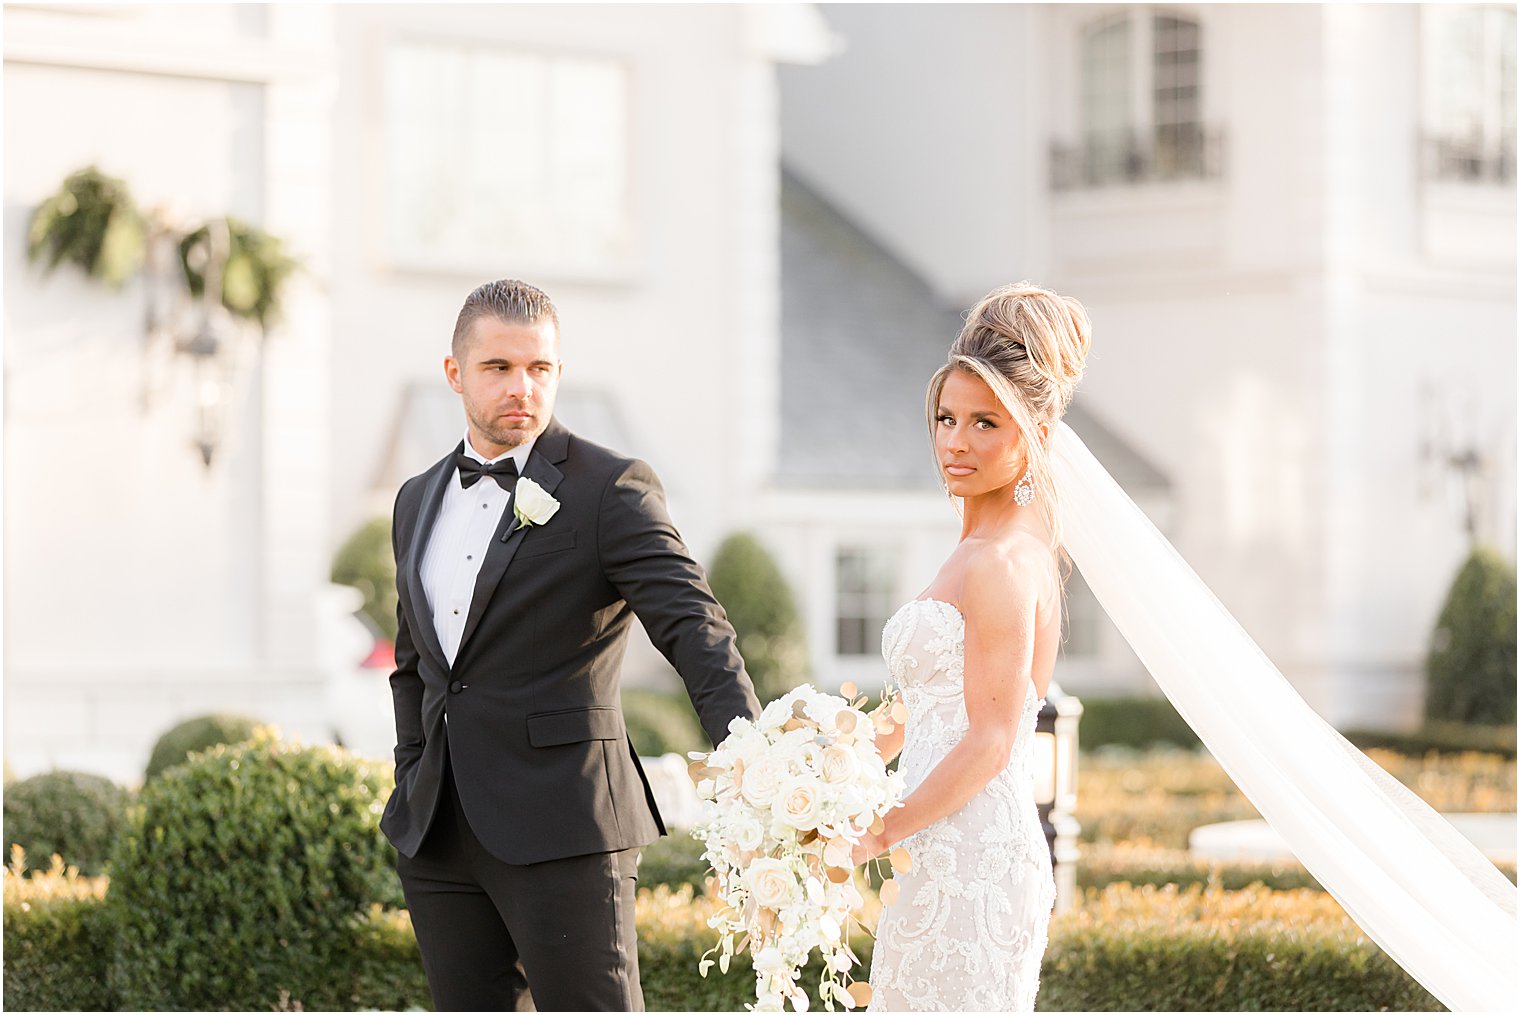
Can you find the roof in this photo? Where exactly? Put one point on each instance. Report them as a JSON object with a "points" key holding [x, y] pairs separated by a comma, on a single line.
{"points": [[861, 334]]}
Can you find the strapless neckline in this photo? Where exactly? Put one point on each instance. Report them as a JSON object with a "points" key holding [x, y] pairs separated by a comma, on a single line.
{"points": [[956, 610]]}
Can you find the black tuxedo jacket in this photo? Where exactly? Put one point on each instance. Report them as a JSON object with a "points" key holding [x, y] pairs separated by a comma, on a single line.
{"points": [[535, 732]]}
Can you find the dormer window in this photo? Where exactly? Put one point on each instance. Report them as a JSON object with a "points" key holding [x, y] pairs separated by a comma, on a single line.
{"points": [[1141, 109]]}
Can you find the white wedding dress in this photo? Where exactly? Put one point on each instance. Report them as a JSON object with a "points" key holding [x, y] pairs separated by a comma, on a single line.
{"points": [[969, 928]]}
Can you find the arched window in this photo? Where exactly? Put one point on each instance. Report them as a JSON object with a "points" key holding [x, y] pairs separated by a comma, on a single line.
{"points": [[1469, 86], [1141, 103]]}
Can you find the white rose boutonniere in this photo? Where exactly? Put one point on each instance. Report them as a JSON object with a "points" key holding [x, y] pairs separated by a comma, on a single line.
{"points": [[532, 504]]}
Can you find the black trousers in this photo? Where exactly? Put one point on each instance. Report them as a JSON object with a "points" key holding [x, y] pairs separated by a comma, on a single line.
{"points": [[495, 936]]}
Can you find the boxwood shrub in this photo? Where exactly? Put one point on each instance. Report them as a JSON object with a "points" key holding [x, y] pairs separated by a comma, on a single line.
{"points": [[245, 873], [198, 734], [1123, 949], [75, 814]]}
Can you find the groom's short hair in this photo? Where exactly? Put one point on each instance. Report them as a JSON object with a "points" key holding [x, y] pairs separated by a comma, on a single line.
{"points": [[508, 300]]}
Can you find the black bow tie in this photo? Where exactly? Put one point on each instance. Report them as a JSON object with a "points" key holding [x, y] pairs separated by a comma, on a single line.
{"points": [[470, 471]]}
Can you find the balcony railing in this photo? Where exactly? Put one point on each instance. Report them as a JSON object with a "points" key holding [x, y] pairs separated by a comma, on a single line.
{"points": [[1463, 160], [1165, 154]]}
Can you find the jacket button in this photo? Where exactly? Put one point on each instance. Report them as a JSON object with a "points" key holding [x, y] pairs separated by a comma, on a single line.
{"points": [[455, 687]]}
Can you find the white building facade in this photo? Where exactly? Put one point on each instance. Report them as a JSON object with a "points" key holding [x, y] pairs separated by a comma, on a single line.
{"points": [[1295, 230], [622, 158]]}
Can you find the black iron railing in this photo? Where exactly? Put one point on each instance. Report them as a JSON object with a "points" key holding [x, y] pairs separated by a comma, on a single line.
{"points": [[1464, 160], [1174, 152]]}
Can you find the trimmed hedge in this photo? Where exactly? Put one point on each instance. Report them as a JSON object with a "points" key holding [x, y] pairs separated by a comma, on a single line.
{"points": [[1436, 737], [1164, 949], [1137, 722], [1471, 667], [1101, 866], [199, 734], [57, 939], [75, 814], [1158, 797], [246, 873], [662, 723], [1125, 949]]}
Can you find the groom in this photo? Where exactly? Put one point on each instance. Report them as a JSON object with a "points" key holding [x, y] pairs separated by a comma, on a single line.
{"points": [[522, 558]]}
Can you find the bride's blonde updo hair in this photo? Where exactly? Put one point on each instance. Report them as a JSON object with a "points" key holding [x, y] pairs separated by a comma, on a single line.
{"points": [[1029, 345]]}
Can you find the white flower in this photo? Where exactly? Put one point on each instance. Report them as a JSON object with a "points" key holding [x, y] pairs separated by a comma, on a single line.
{"points": [[769, 961], [775, 714], [771, 885], [532, 504], [747, 833], [838, 764], [762, 780], [769, 787], [797, 804]]}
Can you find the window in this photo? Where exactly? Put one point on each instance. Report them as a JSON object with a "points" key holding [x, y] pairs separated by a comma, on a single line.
{"points": [[505, 158], [1175, 92], [1470, 94], [865, 585], [1141, 104], [1106, 99]]}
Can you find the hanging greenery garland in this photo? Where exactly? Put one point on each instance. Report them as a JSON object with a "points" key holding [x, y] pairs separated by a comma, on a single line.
{"points": [[92, 222], [255, 273]]}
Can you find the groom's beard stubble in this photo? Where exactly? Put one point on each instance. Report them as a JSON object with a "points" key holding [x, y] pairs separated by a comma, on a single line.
{"points": [[508, 436]]}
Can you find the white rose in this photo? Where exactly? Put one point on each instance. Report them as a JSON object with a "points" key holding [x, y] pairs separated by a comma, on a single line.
{"points": [[771, 885], [747, 834], [839, 764], [532, 504], [762, 780], [775, 714], [797, 804]]}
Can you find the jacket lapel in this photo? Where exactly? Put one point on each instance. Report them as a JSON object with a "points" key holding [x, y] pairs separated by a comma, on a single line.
{"points": [[548, 451], [432, 500]]}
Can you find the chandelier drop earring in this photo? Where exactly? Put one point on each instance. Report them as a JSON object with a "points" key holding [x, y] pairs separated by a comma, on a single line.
{"points": [[1023, 490]]}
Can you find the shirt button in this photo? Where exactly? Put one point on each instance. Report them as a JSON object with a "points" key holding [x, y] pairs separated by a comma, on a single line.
{"points": [[469, 556], [456, 613], [455, 687]]}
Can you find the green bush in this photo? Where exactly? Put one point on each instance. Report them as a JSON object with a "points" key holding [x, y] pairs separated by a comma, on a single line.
{"points": [[1122, 949], [1137, 722], [1148, 949], [1101, 866], [764, 613], [245, 872], [58, 940], [662, 723], [1471, 667], [198, 734], [74, 814], [1440, 738], [366, 562]]}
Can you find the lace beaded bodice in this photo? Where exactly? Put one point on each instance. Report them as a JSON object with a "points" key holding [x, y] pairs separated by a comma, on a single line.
{"points": [[969, 927]]}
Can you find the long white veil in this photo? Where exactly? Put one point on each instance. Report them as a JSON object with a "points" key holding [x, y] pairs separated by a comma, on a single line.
{"points": [[1425, 894]]}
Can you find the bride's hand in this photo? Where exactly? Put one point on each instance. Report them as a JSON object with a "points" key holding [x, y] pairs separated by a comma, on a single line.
{"points": [[871, 846]]}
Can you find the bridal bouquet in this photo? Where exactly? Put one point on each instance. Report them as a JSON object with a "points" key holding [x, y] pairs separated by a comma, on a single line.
{"points": [[786, 799]]}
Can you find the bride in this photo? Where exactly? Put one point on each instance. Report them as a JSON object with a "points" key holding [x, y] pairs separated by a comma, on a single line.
{"points": [[973, 655]]}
